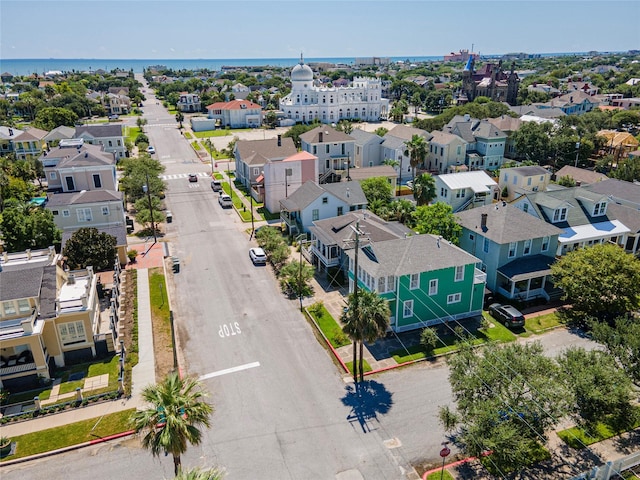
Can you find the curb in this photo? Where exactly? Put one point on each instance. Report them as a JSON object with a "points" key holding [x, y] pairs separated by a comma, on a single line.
{"points": [[452, 464], [67, 449]]}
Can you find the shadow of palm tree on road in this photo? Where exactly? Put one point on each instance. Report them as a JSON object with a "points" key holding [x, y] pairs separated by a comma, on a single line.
{"points": [[367, 400]]}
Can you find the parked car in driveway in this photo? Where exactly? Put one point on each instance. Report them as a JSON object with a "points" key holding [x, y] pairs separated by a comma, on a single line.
{"points": [[193, 177], [225, 201], [508, 315], [257, 255]]}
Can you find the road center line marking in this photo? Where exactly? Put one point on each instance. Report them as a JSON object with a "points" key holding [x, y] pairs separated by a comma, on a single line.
{"points": [[239, 368]]}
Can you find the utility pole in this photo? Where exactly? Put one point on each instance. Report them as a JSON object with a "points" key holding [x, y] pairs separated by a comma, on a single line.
{"points": [[299, 240], [251, 200], [357, 232]]}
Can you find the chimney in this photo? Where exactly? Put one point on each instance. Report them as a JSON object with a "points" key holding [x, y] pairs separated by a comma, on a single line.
{"points": [[483, 222], [319, 137], [279, 140], [71, 279], [438, 241]]}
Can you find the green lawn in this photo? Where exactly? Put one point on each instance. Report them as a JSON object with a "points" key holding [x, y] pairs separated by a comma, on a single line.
{"points": [[267, 215], [365, 364], [328, 326], [542, 323], [212, 133], [218, 176], [109, 365], [440, 476], [580, 437], [71, 434], [239, 205], [132, 133]]}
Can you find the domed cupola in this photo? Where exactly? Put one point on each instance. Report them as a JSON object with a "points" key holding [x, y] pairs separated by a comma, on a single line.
{"points": [[301, 72]]}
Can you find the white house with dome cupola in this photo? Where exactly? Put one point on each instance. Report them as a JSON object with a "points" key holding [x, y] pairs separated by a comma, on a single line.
{"points": [[361, 100]]}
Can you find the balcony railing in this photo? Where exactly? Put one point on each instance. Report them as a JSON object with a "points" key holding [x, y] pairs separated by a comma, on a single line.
{"points": [[479, 276]]}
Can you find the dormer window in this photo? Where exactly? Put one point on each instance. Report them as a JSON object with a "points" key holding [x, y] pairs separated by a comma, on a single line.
{"points": [[560, 214], [600, 208]]}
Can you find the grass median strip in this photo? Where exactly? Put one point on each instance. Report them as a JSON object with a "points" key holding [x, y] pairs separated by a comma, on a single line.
{"points": [[71, 434]]}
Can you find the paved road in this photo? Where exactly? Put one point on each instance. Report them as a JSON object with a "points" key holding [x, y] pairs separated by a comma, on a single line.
{"points": [[282, 411]]}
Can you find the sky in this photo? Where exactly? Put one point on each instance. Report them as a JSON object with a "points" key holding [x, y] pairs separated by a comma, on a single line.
{"points": [[223, 29]]}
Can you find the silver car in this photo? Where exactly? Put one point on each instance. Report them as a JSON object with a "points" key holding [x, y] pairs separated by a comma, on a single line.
{"points": [[257, 255]]}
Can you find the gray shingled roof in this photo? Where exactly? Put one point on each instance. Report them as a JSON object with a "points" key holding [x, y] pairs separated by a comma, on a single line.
{"points": [[349, 192], [20, 282], [505, 224], [119, 233], [87, 196], [48, 293], [361, 137], [620, 190], [86, 155], [329, 135], [406, 132], [416, 254], [527, 170], [259, 152], [576, 214], [581, 175], [336, 230], [99, 131]]}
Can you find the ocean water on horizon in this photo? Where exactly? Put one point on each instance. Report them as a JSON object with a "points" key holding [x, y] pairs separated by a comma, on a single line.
{"points": [[27, 66]]}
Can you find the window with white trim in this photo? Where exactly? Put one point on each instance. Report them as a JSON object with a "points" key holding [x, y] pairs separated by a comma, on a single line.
{"points": [[315, 214], [545, 243], [72, 332], [454, 298], [513, 249], [560, 214], [433, 286], [84, 214], [9, 308], [526, 250], [459, 273], [97, 182], [599, 209], [415, 281], [65, 213], [105, 210], [53, 175], [407, 309]]}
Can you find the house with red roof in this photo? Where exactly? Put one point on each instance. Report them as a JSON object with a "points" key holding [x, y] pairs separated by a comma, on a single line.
{"points": [[236, 114]]}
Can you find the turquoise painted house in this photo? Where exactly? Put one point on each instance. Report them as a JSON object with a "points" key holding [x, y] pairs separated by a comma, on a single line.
{"points": [[426, 280]]}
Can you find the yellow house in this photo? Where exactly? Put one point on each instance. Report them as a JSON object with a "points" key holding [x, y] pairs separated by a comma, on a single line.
{"points": [[519, 181], [29, 144], [49, 317]]}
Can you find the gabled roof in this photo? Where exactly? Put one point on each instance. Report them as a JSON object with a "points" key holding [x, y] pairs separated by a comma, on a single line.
{"points": [[572, 198], [31, 134], [259, 152], [581, 175], [300, 156], [9, 133], [444, 138], [59, 133], [99, 131], [349, 192], [505, 224], [338, 231], [361, 137], [20, 283], [470, 129], [406, 132], [234, 105], [119, 233], [619, 191], [414, 254], [329, 135], [85, 196], [506, 123]]}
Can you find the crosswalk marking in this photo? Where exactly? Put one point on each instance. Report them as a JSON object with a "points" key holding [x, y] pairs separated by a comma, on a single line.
{"points": [[176, 176]]}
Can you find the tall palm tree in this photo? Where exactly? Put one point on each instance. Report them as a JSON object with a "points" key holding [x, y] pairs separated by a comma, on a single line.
{"points": [[424, 189], [366, 320], [199, 474], [177, 410], [374, 312], [416, 151]]}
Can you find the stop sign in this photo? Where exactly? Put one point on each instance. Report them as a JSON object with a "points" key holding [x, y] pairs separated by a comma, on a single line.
{"points": [[445, 452]]}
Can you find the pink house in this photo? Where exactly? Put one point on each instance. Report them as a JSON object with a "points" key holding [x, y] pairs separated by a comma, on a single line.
{"points": [[280, 179]]}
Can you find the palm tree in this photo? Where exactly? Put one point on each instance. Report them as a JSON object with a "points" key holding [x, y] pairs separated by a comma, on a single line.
{"points": [[198, 474], [416, 151], [365, 320], [424, 189], [177, 411], [374, 312]]}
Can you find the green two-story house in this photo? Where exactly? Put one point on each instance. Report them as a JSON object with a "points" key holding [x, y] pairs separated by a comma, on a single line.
{"points": [[426, 280]]}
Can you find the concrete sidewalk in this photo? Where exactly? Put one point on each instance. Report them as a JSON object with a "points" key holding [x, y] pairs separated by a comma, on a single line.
{"points": [[143, 374]]}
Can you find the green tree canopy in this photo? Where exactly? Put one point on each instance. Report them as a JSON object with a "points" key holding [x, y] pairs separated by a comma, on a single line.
{"points": [[377, 189], [599, 389], [602, 280], [437, 219], [622, 340], [49, 118], [90, 247], [507, 398], [25, 226], [533, 141], [137, 172]]}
